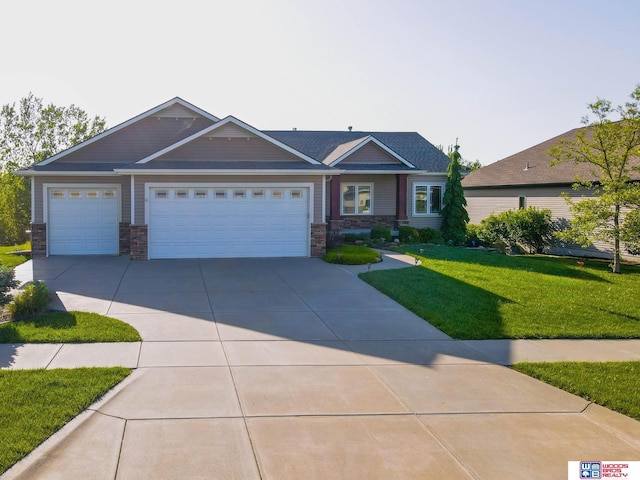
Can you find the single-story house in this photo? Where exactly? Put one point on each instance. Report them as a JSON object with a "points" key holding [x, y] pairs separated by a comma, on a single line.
{"points": [[179, 182], [528, 179]]}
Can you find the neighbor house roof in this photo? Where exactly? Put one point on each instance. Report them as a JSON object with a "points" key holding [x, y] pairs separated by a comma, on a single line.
{"points": [[532, 167]]}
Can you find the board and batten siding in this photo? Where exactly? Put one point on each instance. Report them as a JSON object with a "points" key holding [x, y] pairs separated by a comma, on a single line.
{"points": [[369, 154], [141, 180], [124, 182], [423, 221], [384, 191]]}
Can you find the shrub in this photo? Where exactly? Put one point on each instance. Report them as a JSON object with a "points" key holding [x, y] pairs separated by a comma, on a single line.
{"points": [[429, 235], [378, 233], [408, 234], [528, 227], [631, 232], [354, 237], [7, 282], [472, 239], [32, 300], [352, 255]]}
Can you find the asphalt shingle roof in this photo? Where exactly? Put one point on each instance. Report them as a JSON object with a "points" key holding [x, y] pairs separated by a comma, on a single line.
{"points": [[409, 145], [531, 167]]}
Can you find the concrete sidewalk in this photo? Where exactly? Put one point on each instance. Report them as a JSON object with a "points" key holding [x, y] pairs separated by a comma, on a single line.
{"points": [[293, 368]]}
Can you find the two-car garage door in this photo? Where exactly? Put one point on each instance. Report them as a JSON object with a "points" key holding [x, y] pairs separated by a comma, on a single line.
{"points": [[236, 221]]}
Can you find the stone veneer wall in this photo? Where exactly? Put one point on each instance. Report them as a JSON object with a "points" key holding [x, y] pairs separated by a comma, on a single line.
{"points": [[125, 239], [139, 242], [38, 239], [318, 239], [363, 221]]}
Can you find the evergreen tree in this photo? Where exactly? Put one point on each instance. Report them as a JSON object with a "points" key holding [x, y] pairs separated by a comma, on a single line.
{"points": [[454, 213]]}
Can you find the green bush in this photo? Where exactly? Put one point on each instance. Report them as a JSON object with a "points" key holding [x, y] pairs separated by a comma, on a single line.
{"points": [[472, 239], [407, 234], [352, 255], [354, 237], [378, 233], [529, 228], [7, 282], [630, 235], [429, 235], [33, 300]]}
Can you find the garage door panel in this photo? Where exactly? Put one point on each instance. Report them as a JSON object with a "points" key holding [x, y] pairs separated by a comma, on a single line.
{"points": [[262, 223], [80, 223]]}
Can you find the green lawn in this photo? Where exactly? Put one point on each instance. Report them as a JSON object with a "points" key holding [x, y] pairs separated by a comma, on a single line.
{"points": [[11, 261], [352, 255], [614, 385], [68, 327], [472, 294], [37, 403]]}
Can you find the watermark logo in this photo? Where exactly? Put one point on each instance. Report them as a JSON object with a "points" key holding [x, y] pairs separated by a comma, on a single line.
{"points": [[604, 469]]}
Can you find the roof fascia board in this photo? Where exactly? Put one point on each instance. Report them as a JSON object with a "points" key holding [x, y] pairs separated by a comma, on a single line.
{"points": [[169, 171], [35, 173], [125, 124], [382, 172], [221, 123], [366, 140]]}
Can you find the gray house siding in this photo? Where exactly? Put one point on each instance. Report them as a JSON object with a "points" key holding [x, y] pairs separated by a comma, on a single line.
{"points": [[370, 154], [38, 193]]}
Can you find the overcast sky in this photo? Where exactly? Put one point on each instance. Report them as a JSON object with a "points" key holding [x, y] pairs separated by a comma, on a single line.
{"points": [[501, 75]]}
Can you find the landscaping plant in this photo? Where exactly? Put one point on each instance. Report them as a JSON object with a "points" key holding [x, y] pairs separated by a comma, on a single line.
{"points": [[7, 283], [31, 301], [381, 233], [454, 213]]}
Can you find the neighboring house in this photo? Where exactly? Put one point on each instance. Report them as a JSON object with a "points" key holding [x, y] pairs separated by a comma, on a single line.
{"points": [[527, 179], [178, 182]]}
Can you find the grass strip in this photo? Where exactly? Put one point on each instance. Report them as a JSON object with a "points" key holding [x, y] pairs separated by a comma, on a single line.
{"points": [[68, 327], [614, 385], [37, 403]]}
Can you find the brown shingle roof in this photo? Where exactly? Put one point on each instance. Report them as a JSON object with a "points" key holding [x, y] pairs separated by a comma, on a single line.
{"points": [[531, 167]]}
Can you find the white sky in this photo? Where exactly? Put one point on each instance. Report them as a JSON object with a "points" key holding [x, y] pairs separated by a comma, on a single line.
{"points": [[502, 75]]}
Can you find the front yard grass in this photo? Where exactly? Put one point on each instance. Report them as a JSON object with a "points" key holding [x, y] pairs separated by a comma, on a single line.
{"points": [[471, 294], [68, 327], [614, 385], [10, 260], [353, 255], [37, 403]]}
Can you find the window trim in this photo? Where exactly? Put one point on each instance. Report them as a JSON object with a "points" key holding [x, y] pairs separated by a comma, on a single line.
{"points": [[429, 185], [356, 184]]}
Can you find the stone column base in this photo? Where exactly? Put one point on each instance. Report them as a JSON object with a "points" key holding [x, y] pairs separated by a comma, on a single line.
{"points": [[125, 239], [38, 239], [318, 239], [139, 246]]}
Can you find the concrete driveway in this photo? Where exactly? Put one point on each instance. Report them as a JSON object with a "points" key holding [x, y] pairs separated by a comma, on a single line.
{"points": [[296, 369]]}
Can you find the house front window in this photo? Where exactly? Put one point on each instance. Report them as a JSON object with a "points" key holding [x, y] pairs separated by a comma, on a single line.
{"points": [[427, 198], [356, 199]]}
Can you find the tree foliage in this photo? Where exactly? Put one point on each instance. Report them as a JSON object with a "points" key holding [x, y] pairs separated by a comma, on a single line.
{"points": [[612, 150], [15, 214], [454, 213], [31, 131]]}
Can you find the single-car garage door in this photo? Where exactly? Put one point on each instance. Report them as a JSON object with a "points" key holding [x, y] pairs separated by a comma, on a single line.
{"points": [[218, 222], [83, 221]]}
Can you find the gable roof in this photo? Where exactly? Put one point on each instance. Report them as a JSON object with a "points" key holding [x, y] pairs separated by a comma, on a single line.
{"points": [[345, 150], [221, 124], [410, 146], [134, 129], [531, 167]]}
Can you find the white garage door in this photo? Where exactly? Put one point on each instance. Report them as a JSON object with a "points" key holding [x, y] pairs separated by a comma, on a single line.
{"points": [[218, 222], [83, 221]]}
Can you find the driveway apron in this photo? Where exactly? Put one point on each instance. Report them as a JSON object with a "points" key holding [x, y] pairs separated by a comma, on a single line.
{"points": [[297, 369]]}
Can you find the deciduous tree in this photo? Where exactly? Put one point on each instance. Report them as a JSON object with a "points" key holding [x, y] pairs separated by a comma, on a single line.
{"points": [[612, 150]]}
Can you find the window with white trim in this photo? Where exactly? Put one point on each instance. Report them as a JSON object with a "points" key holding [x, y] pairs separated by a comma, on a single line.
{"points": [[161, 194], [356, 198], [427, 198], [220, 194], [200, 194], [295, 194], [182, 194]]}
